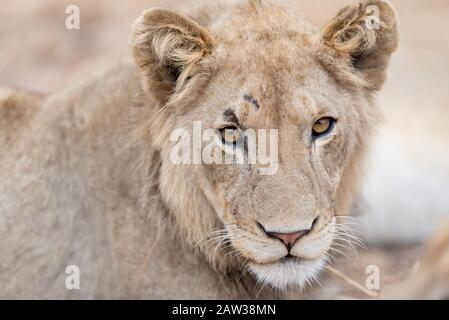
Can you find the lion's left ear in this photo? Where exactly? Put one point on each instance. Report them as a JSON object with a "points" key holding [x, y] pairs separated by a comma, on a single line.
{"points": [[364, 35], [167, 46]]}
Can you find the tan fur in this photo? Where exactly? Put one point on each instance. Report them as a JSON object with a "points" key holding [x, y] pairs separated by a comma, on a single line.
{"points": [[89, 181]]}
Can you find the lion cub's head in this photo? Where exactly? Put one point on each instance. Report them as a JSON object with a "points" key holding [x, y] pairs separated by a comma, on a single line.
{"points": [[256, 78]]}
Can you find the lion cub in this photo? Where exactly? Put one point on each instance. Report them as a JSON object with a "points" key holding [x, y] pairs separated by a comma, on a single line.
{"points": [[93, 203]]}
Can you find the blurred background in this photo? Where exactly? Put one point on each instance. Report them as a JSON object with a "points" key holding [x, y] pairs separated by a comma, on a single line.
{"points": [[406, 190]]}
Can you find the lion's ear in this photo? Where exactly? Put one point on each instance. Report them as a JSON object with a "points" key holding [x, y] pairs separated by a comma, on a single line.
{"points": [[167, 46], [364, 35]]}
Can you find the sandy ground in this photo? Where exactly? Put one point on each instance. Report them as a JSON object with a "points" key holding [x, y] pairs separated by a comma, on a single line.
{"points": [[38, 53]]}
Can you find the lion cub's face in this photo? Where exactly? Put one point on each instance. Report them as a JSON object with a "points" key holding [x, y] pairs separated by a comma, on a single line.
{"points": [[283, 116], [278, 209]]}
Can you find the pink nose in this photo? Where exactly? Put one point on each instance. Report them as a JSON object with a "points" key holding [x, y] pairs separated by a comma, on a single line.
{"points": [[288, 239]]}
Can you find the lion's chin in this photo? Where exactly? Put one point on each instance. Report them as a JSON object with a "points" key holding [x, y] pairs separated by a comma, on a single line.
{"points": [[288, 273]]}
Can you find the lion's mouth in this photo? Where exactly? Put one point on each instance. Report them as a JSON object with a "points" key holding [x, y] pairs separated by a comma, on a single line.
{"points": [[290, 258], [289, 271], [287, 259]]}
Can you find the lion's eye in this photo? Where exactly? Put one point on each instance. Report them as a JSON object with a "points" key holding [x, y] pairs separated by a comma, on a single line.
{"points": [[323, 126], [230, 135]]}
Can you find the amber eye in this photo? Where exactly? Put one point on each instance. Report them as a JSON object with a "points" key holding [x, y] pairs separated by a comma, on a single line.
{"points": [[230, 135], [323, 126]]}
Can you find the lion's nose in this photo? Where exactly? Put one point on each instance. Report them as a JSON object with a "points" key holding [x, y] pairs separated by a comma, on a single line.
{"points": [[289, 239]]}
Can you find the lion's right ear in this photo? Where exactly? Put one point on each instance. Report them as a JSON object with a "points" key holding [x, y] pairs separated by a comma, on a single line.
{"points": [[364, 36], [167, 46]]}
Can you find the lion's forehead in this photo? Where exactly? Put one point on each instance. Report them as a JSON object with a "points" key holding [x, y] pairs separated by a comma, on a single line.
{"points": [[277, 92], [260, 23]]}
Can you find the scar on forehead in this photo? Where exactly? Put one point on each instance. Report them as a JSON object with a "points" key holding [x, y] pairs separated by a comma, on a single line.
{"points": [[252, 100], [230, 116]]}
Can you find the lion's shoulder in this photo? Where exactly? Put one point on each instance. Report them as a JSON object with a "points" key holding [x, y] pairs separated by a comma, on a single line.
{"points": [[16, 109], [16, 105]]}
